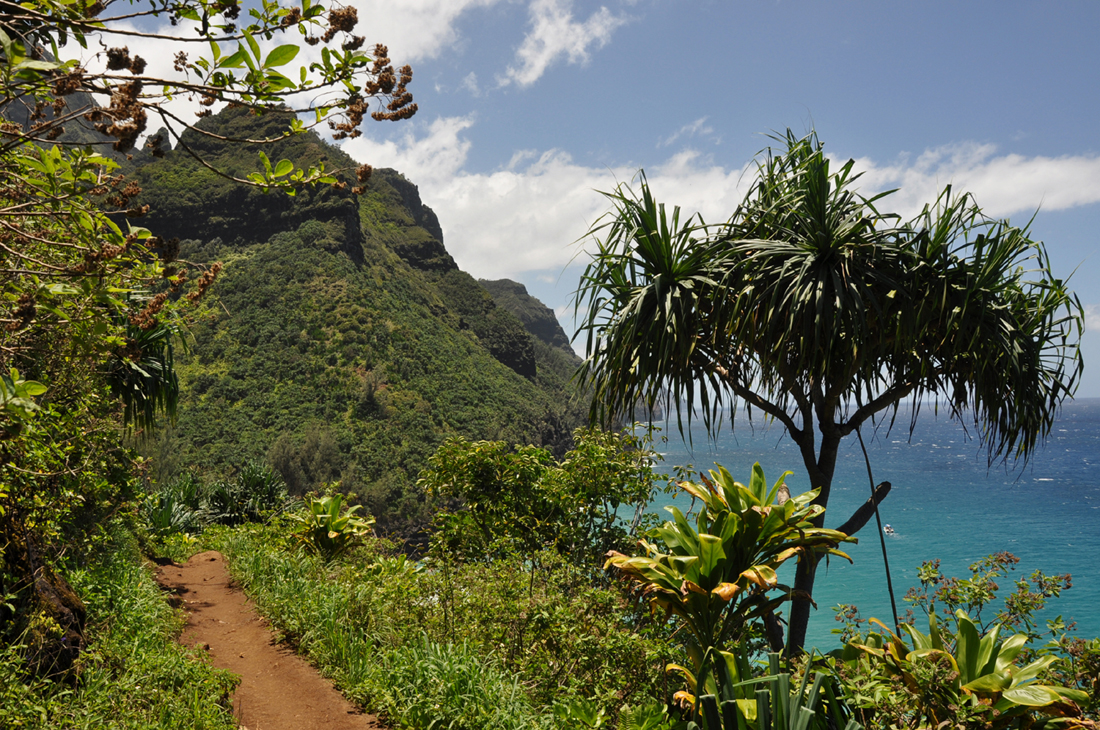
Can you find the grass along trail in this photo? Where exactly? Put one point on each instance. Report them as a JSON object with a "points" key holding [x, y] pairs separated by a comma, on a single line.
{"points": [[279, 690]]}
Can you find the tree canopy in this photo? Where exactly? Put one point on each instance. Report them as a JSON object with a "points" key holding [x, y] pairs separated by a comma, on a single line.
{"points": [[812, 305], [90, 302]]}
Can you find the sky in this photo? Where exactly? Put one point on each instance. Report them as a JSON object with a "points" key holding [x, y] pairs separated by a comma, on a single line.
{"points": [[529, 108]]}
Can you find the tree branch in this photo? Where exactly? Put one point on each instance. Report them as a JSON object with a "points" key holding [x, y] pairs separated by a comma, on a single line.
{"points": [[744, 393], [890, 396], [866, 510]]}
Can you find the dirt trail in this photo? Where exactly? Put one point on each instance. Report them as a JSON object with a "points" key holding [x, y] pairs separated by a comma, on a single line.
{"points": [[279, 690]]}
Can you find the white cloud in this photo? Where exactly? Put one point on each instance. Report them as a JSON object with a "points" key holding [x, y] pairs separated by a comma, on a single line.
{"points": [[521, 220], [1092, 317], [1002, 184], [414, 29], [698, 127], [470, 84], [555, 34], [526, 216]]}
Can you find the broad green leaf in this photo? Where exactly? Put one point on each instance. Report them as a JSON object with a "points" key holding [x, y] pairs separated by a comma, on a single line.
{"points": [[993, 682], [234, 60], [281, 56], [710, 553], [1010, 649], [36, 65], [252, 44], [1032, 695], [967, 647], [285, 167]]}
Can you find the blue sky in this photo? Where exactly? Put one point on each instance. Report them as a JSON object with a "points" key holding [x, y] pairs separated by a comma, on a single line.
{"points": [[527, 107]]}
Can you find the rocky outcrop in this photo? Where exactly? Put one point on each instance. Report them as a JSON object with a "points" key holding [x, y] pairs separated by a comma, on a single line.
{"points": [[536, 317]]}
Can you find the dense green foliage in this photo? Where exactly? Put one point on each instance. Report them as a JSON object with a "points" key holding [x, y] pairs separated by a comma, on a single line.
{"points": [[329, 354], [132, 674], [519, 499]]}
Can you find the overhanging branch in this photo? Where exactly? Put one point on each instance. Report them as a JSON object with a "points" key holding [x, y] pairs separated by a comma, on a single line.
{"points": [[866, 510], [757, 400]]}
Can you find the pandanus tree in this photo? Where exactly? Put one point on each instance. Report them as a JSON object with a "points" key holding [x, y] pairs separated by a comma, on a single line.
{"points": [[823, 313]]}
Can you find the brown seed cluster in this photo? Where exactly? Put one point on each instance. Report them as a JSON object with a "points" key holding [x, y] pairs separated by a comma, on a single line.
{"points": [[205, 282], [340, 20], [119, 59], [24, 312], [292, 17], [168, 250], [124, 119], [230, 9], [386, 83], [153, 144], [69, 83], [362, 174], [146, 319], [94, 260], [119, 198]]}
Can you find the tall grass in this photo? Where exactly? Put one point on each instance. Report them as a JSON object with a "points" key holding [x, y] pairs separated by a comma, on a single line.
{"points": [[428, 649], [132, 674], [417, 685]]}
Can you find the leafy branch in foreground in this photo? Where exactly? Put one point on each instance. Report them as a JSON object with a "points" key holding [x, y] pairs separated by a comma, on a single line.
{"points": [[44, 94]]}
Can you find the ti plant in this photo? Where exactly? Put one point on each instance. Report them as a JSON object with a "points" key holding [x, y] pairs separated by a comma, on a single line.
{"points": [[978, 678], [772, 705], [327, 532], [720, 576]]}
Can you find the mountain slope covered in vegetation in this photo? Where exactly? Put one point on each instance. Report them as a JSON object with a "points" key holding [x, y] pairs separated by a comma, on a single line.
{"points": [[344, 343]]}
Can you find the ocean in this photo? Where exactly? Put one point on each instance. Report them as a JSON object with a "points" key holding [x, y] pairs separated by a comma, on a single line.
{"points": [[946, 504]]}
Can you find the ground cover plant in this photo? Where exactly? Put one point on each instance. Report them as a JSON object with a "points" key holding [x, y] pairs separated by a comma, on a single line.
{"points": [[131, 673], [969, 671]]}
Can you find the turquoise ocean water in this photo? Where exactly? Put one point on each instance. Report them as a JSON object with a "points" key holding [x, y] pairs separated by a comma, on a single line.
{"points": [[945, 504]]}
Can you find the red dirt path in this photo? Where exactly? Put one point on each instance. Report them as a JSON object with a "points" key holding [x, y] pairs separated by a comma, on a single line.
{"points": [[279, 690]]}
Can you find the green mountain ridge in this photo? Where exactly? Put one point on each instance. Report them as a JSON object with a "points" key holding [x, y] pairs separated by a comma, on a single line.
{"points": [[343, 342]]}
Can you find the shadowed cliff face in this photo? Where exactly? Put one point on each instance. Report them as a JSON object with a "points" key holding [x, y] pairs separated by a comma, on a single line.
{"points": [[422, 243], [340, 336], [538, 318], [189, 201]]}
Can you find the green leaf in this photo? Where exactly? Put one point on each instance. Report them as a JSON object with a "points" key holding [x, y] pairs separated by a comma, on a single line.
{"points": [[285, 167], [1033, 695], [267, 163], [281, 56], [6, 44], [254, 46], [989, 683], [235, 60]]}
